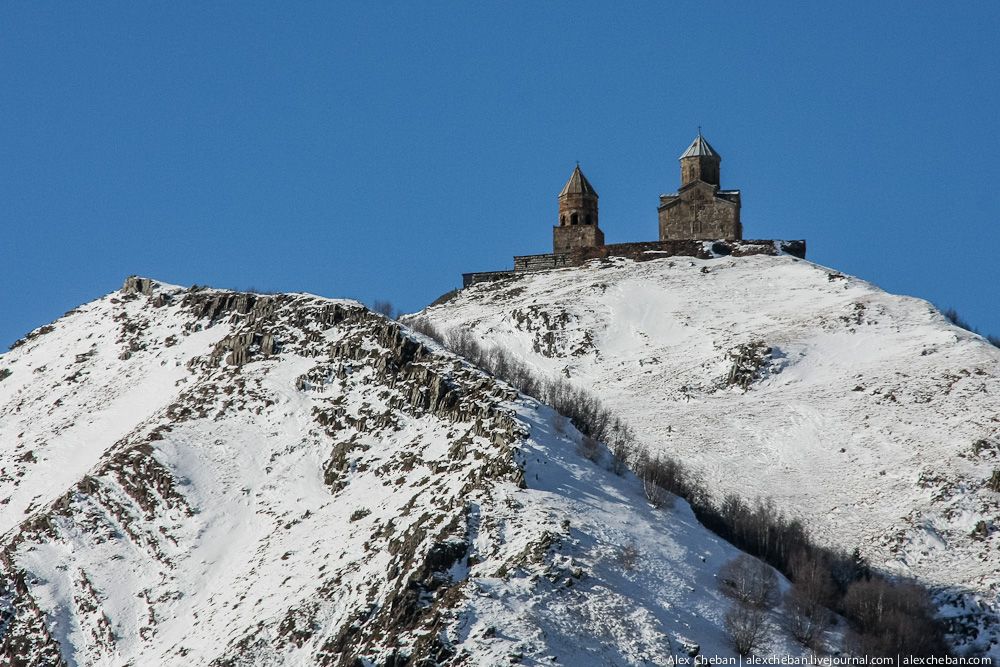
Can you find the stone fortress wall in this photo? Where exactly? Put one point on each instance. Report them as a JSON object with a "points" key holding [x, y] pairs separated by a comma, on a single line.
{"points": [[640, 251]]}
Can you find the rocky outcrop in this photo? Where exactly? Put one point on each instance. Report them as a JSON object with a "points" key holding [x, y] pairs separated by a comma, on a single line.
{"points": [[137, 285], [748, 361], [135, 498]]}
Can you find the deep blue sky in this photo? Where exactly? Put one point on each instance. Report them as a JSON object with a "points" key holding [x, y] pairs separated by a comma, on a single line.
{"points": [[378, 150]]}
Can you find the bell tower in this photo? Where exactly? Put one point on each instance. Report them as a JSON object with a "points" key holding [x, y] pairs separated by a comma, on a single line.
{"points": [[700, 162], [577, 226]]}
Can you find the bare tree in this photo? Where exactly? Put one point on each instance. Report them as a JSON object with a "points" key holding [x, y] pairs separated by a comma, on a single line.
{"points": [[622, 444], [808, 599], [648, 470], [662, 476], [747, 628], [806, 619], [385, 308], [893, 618], [424, 326], [655, 494], [589, 449], [813, 581], [749, 582], [560, 423]]}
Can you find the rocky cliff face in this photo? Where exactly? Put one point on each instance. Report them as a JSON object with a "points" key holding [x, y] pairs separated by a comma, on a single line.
{"points": [[195, 476], [866, 414]]}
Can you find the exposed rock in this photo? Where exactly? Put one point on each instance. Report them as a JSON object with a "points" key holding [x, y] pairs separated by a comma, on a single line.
{"points": [[137, 285], [748, 360]]}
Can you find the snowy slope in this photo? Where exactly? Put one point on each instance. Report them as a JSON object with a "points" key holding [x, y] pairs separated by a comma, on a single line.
{"points": [[200, 477], [871, 416]]}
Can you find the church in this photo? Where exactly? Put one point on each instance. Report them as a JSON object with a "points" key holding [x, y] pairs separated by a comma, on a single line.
{"points": [[700, 220], [698, 210]]}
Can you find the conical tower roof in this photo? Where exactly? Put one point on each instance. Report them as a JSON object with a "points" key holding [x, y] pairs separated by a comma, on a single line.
{"points": [[700, 148], [578, 185]]}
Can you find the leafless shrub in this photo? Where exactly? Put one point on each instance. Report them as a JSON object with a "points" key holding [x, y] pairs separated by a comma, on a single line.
{"points": [[424, 326], [650, 469], [750, 582], [462, 343], [655, 494], [560, 423], [812, 592], [668, 473], [760, 529], [805, 618], [813, 581], [952, 316], [622, 444], [589, 449], [629, 556], [892, 618], [747, 628], [584, 409]]}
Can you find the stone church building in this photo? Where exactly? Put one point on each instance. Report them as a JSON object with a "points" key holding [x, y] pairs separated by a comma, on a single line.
{"points": [[699, 209], [699, 220]]}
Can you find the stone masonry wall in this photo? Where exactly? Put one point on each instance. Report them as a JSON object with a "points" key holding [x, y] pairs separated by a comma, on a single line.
{"points": [[641, 252], [697, 213], [566, 238]]}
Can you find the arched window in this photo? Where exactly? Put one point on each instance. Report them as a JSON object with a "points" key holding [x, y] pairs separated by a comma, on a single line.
{"points": [[590, 220], [573, 219]]}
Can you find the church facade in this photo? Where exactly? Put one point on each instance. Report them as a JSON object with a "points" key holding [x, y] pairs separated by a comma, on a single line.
{"points": [[700, 209]]}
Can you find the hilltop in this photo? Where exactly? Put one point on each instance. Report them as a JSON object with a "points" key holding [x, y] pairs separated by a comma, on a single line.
{"points": [[867, 415]]}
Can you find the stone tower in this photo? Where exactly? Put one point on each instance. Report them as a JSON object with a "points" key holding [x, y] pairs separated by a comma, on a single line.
{"points": [[577, 216], [699, 209]]}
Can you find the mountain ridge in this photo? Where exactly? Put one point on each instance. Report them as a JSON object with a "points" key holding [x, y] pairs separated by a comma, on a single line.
{"points": [[197, 476]]}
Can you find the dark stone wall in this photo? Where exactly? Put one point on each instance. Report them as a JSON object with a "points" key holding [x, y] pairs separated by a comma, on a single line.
{"points": [[701, 168], [569, 237], [484, 277], [585, 206], [647, 250], [578, 225], [700, 212], [540, 262], [641, 252]]}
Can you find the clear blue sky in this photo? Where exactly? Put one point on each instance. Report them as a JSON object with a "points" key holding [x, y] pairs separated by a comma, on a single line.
{"points": [[378, 150]]}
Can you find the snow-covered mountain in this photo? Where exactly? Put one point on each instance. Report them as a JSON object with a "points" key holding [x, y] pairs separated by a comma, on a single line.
{"points": [[203, 477], [866, 414]]}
